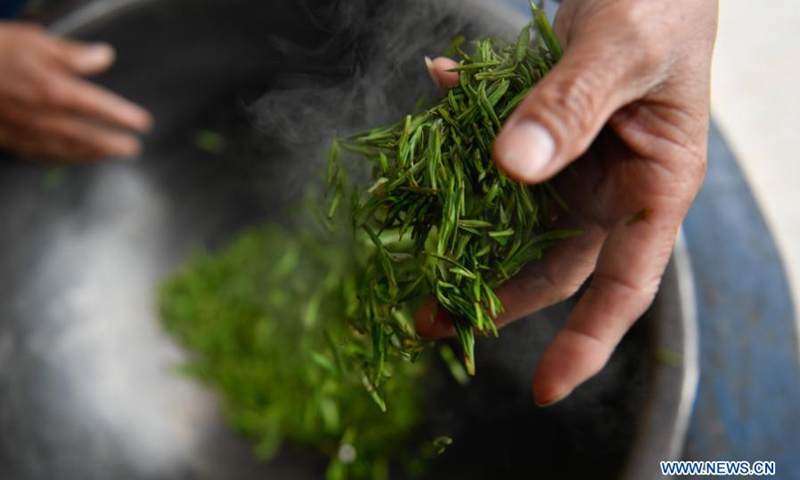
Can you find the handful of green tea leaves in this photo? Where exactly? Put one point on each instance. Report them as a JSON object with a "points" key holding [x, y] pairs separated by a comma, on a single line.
{"points": [[444, 220]]}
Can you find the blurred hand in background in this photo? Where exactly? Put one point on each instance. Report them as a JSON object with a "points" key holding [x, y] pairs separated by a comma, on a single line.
{"points": [[48, 111], [628, 108]]}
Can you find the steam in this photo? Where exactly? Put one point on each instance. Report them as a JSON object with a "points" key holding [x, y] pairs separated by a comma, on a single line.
{"points": [[369, 70]]}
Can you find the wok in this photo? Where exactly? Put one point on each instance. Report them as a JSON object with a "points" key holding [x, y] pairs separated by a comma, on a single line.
{"points": [[88, 384]]}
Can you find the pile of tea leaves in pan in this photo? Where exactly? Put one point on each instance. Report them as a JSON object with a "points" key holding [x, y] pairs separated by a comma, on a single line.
{"points": [[308, 332], [266, 321], [444, 220]]}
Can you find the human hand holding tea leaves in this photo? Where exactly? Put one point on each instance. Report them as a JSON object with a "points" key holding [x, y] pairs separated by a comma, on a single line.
{"points": [[627, 109]]}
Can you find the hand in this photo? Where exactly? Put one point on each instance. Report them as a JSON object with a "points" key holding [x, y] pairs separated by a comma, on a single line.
{"points": [[48, 111], [628, 108]]}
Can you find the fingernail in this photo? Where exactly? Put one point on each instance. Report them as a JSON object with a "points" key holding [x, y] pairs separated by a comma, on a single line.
{"points": [[526, 149], [432, 71], [547, 403], [99, 54]]}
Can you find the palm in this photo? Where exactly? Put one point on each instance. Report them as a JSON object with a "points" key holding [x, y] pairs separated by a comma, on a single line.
{"points": [[615, 182]]}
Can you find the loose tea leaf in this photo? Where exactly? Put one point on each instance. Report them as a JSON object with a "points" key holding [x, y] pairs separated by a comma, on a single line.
{"points": [[443, 219], [208, 141]]}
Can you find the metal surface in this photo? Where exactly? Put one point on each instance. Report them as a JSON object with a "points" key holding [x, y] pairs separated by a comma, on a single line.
{"points": [[88, 387]]}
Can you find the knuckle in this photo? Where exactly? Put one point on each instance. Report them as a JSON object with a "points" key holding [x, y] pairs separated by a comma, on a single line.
{"points": [[615, 287], [592, 338], [569, 289], [652, 59], [561, 289], [575, 101], [639, 29], [51, 93], [690, 150]]}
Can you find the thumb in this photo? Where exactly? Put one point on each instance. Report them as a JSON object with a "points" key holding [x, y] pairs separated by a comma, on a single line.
{"points": [[562, 115]]}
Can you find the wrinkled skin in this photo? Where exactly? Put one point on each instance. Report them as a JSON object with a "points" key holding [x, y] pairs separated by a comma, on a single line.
{"points": [[628, 108], [48, 111]]}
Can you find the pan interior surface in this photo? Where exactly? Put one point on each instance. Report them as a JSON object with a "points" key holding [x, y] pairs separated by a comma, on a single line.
{"points": [[89, 381]]}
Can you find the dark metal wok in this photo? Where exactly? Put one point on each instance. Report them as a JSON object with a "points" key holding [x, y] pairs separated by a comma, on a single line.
{"points": [[88, 388]]}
